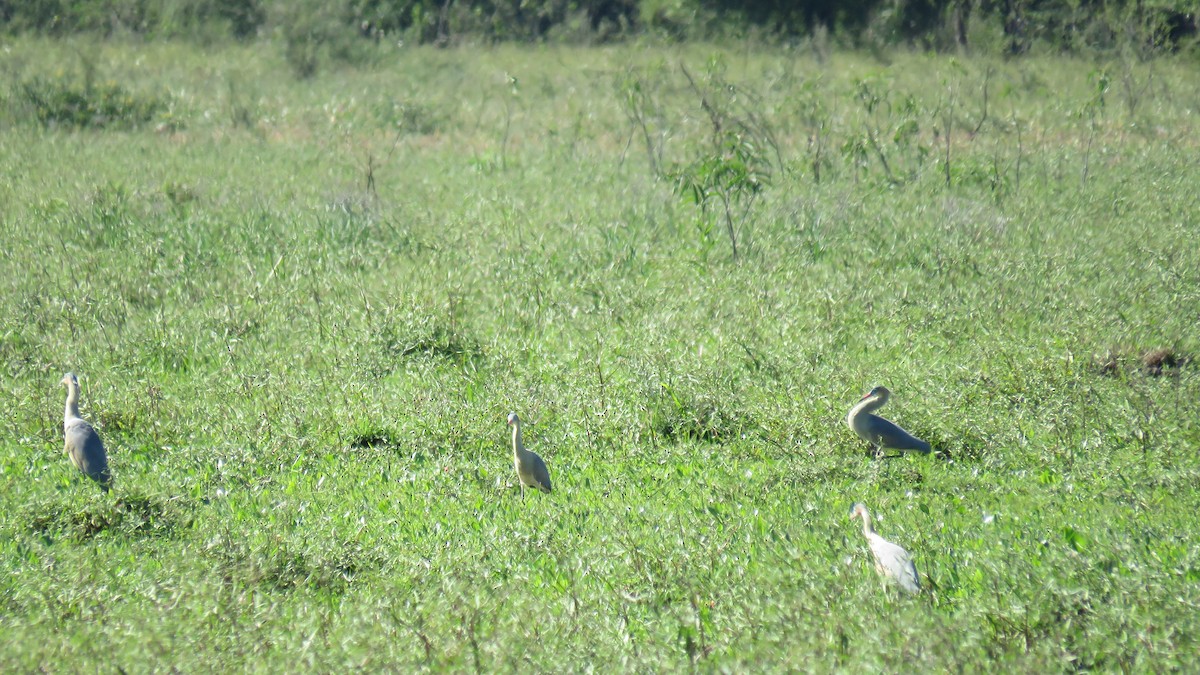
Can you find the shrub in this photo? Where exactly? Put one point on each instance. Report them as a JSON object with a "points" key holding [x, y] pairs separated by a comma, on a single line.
{"points": [[58, 101]]}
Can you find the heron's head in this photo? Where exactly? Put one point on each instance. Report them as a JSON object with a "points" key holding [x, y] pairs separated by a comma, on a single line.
{"points": [[512, 419], [70, 380], [877, 392], [859, 511]]}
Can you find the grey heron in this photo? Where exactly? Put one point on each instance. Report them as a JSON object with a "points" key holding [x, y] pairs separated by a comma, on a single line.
{"points": [[531, 470], [880, 433], [891, 561], [82, 443]]}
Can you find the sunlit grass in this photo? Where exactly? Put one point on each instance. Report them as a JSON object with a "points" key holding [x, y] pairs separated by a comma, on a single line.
{"points": [[302, 310]]}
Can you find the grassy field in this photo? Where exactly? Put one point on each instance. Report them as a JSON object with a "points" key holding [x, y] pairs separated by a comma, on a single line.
{"points": [[301, 310]]}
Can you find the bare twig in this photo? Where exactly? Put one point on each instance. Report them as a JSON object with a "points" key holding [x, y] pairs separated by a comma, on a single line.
{"points": [[987, 76]]}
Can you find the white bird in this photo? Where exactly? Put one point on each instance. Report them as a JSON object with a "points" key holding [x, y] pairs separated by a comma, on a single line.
{"points": [[82, 443], [877, 431], [891, 561], [531, 470]]}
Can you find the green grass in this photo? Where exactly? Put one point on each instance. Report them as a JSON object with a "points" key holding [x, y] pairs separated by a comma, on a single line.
{"points": [[300, 312]]}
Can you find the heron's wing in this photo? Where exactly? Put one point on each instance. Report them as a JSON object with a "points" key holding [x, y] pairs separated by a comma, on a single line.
{"points": [[79, 434], [896, 563], [538, 472], [890, 435], [86, 449], [911, 581]]}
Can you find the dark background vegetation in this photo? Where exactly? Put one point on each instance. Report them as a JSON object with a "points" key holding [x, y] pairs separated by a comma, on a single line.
{"points": [[1013, 26]]}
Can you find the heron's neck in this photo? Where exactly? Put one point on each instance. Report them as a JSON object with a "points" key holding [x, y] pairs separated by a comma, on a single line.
{"points": [[867, 405], [72, 409], [868, 529], [517, 446]]}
